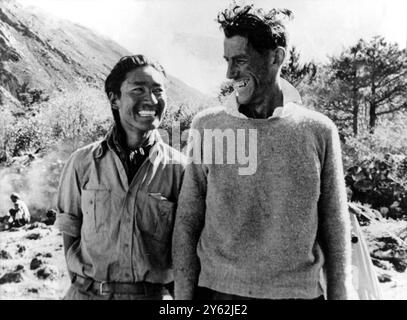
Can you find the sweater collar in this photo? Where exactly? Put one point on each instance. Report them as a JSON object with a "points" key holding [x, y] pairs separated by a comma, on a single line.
{"points": [[290, 94]]}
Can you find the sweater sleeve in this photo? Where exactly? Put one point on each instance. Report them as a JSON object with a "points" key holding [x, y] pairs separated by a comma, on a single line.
{"points": [[334, 223], [189, 220]]}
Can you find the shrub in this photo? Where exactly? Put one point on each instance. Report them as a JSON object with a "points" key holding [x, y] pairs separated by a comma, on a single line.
{"points": [[382, 183]]}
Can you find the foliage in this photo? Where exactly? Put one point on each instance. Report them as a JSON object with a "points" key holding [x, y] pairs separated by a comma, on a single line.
{"points": [[381, 182], [71, 119], [179, 119], [376, 166], [295, 72], [29, 97], [367, 81]]}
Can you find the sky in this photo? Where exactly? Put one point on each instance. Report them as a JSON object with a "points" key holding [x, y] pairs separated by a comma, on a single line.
{"points": [[184, 37]]}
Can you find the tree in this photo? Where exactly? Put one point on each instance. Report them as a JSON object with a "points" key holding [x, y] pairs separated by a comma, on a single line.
{"points": [[364, 82], [385, 67], [347, 69], [295, 72]]}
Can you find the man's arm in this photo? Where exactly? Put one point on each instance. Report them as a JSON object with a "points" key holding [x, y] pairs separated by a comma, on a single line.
{"points": [[189, 222], [69, 217], [68, 242], [334, 222]]}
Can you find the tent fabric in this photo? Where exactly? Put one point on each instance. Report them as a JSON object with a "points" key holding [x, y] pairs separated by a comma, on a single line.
{"points": [[364, 277]]}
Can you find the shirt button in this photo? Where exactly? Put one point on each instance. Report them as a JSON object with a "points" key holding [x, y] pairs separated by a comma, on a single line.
{"points": [[126, 246], [127, 275]]}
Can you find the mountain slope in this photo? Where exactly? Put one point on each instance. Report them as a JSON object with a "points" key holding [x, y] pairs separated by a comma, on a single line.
{"points": [[39, 52]]}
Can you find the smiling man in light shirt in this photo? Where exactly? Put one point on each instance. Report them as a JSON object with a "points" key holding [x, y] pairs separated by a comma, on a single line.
{"points": [[268, 234], [117, 197]]}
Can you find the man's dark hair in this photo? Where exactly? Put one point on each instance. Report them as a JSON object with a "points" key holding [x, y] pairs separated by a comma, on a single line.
{"points": [[127, 63], [264, 30]]}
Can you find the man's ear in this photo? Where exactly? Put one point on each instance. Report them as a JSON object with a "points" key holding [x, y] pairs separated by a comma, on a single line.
{"points": [[279, 56], [113, 100]]}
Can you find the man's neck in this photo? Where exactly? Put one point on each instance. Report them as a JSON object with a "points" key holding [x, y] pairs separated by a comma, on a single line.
{"points": [[134, 139], [271, 99]]}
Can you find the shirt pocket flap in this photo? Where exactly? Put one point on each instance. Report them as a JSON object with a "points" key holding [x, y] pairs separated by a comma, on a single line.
{"points": [[157, 218]]}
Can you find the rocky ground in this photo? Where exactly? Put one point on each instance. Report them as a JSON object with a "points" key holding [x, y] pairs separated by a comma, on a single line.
{"points": [[32, 264]]}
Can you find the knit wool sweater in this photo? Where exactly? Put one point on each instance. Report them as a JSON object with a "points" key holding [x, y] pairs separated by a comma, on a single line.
{"points": [[266, 234]]}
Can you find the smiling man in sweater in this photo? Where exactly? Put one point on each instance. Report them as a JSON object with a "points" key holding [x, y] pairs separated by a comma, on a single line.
{"points": [[266, 234]]}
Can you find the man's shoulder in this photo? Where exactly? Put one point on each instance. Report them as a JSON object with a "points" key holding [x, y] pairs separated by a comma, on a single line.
{"points": [[209, 115], [316, 119], [83, 153]]}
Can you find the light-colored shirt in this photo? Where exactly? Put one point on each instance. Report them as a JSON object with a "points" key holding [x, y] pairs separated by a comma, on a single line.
{"points": [[124, 228]]}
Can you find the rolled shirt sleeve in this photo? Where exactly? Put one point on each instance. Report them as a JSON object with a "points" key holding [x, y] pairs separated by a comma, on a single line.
{"points": [[69, 218]]}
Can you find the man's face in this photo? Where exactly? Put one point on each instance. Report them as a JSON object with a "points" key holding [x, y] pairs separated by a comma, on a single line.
{"points": [[248, 68], [143, 100]]}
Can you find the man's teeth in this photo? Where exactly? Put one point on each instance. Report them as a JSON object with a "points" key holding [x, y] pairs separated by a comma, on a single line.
{"points": [[145, 113], [241, 84]]}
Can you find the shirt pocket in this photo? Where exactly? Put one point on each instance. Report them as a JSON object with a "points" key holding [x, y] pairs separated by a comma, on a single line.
{"points": [[157, 218], [96, 204]]}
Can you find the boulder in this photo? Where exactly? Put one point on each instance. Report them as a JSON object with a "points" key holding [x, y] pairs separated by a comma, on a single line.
{"points": [[5, 255], [21, 249], [36, 225], [384, 277], [33, 236], [36, 263], [14, 276], [47, 272]]}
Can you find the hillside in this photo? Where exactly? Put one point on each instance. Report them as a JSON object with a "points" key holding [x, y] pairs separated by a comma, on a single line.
{"points": [[43, 53]]}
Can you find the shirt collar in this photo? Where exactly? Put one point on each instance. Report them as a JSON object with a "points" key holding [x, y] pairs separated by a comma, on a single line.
{"points": [[113, 140], [290, 94]]}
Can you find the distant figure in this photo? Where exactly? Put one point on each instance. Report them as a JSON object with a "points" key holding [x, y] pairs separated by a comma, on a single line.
{"points": [[19, 215]]}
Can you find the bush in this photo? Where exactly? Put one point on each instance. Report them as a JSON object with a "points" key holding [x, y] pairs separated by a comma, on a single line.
{"points": [[382, 183]]}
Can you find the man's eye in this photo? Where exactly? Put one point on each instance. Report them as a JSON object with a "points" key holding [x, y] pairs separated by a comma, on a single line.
{"points": [[138, 90], [241, 61], [158, 90]]}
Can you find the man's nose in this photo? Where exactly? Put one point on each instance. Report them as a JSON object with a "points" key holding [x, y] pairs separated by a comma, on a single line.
{"points": [[152, 98], [232, 72]]}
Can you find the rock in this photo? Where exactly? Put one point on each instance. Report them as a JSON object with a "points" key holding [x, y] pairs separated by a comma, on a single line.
{"points": [[36, 225], [32, 290], [10, 277], [399, 265], [5, 255], [384, 277], [19, 267], [45, 255], [47, 272], [33, 236], [386, 265], [36, 263], [21, 248], [51, 217]]}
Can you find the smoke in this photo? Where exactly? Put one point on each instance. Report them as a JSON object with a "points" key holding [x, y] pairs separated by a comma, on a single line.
{"points": [[36, 181]]}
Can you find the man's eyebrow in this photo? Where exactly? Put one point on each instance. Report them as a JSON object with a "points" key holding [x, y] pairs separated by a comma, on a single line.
{"points": [[239, 56], [141, 83]]}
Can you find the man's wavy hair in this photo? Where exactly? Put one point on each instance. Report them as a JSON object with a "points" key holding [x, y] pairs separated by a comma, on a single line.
{"points": [[118, 74], [264, 30]]}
